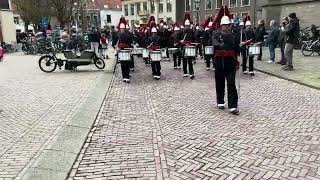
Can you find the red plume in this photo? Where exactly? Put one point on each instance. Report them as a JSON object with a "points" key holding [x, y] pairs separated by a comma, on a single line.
{"points": [[207, 21], [151, 19], [187, 16], [224, 11], [122, 20]]}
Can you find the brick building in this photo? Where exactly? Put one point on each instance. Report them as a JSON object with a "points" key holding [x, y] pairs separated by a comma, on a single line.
{"points": [[200, 9], [307, 10], [141, 10]]}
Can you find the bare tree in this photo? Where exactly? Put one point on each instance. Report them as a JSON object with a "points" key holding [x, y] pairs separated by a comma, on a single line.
{"points": [[63, 10]]}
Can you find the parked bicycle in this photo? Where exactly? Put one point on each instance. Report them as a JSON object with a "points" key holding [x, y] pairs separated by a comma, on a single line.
{"points": [[310, 47]]}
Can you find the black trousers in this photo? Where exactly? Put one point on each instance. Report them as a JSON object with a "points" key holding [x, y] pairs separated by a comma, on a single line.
{"points": [[156, 68], [260, 55], [177, 59], [226, 70], [125, 68], [199, 49], [187, 61], [208, 58], [132, 63], [245, 56]]}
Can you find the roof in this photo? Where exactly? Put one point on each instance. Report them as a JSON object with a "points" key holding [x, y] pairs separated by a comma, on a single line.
{"points": [[104, 4]]}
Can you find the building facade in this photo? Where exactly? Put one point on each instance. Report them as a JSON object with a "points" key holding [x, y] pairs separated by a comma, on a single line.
{"points": [[201, 9], [140, 10], [7, 26], [307, 10], [110, 13]]}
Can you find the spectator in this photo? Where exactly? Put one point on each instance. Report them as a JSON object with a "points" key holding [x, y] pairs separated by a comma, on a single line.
{"points": [[260, 32], [273, 40], [282, 40], [94, 40], [292, 33], [65, 38], [104, 45]]}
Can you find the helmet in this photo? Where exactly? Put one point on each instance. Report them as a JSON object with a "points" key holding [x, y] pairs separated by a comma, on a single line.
{"points": [[176, 28], [122, 26], [197, 28], [187, 22], [241, 23], [225, 20], [248, 23], [154, 30], [210, 23]]}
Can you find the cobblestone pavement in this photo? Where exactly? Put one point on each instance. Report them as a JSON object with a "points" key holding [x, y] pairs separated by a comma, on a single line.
{"points": [[306, 69], [171, 129], [33, 105]]}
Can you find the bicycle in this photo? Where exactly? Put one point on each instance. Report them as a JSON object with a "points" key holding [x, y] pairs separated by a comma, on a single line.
{"points": [[310, 47]]}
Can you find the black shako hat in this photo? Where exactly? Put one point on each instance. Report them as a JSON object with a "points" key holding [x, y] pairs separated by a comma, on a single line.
{"points": [[293, 15]]}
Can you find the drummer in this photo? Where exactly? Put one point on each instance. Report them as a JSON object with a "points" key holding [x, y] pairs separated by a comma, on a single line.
{"points": [[226, 47], [122, 41], [130, 33], [199, 40], [154, 42], [188, 38], [175, 43], [207, 36], [248, 38]]}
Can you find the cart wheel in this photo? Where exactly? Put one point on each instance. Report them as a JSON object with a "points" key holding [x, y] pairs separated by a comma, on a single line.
{"points": [[47, 64], [99, 63]]}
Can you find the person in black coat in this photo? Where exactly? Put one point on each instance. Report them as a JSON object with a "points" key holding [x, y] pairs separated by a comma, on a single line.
{"points": [[199, 40], [155, 44], [188, 38], [248, 38], [175, 43], [260, 32], [207, 38]]}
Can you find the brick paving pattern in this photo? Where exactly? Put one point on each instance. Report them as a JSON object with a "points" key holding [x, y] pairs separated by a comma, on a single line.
{"points": [[33, 107], [171, 129]]}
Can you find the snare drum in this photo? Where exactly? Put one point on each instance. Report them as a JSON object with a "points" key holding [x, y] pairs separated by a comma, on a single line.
{"points": [[145, 53], [164, 53], [254, 50], [189, 51], [173, 50], [137, 51], [155, 56], [208, 50], [124, 55]]}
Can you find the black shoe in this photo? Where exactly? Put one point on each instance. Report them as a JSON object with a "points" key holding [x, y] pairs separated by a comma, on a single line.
{"points": [[192, 76], [221, 106], [288, 68]]}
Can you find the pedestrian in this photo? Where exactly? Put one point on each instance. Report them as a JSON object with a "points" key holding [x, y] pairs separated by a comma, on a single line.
{"points": [[104, 45], [226, 47], [292, 33], [260, 32], [282, 40], [94, 40], [64, 38], [207, 38], [248, 39], [273, 40]]}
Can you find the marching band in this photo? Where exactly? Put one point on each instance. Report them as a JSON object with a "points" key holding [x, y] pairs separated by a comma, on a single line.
{"points": [[220, 42]]}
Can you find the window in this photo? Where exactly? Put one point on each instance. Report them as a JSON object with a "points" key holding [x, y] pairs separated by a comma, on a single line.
{"points": [[188, 5], [244, 14], [245, 2], [16, 20], [196, 5], [4, 4], [126, 12], [108, 18], [132, 9], [232, 3], [152, 7], [145, 6], [219, 4], [209, 4], [138, 8], [169, 5], [161, 6]]}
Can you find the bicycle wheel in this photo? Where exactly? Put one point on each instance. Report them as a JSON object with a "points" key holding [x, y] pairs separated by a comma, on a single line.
{"points": [[47, 64], [99, 63], [306, 51]]}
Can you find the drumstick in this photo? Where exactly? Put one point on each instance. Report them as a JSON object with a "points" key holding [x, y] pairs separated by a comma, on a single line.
{"points": [[149, 45]]}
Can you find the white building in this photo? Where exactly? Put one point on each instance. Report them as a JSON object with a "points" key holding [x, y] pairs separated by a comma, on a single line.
{"points": [[141, 10], [20, 25], [110, 16], [7, 26]]}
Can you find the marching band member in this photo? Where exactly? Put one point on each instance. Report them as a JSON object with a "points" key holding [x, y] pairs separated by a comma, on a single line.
{"points": [[226, 64], [199, 40], [154, 42], [164, 36], [207, 37], [122, 41], [188, 38], [175, 43], [248, 38]]}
